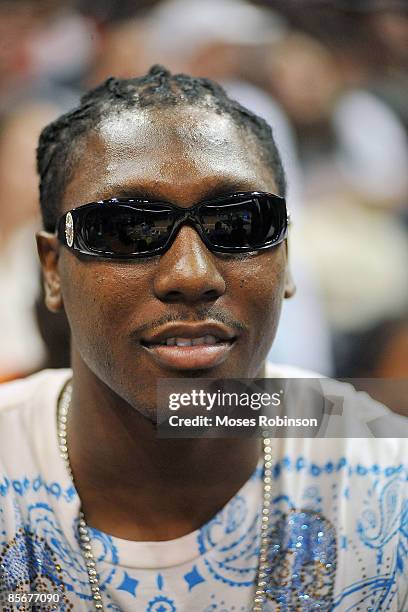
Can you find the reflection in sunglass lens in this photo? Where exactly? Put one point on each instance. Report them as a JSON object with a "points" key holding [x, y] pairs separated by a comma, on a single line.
{"points": [[123, 230], [247, 223]]}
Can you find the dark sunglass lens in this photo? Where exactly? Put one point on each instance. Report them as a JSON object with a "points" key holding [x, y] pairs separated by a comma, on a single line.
{"points": [[123, 230], [228, 225], [249, 222]]}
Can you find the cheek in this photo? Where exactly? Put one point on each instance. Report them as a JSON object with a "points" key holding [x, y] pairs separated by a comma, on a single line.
{"points": [[259, 286], [100, 300], [259, 282]]}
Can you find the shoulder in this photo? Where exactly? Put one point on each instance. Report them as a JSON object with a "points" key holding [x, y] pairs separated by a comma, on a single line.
{"points": [[25, 392], [27, 421], [26, 408], [348, 413], [280, 370]]}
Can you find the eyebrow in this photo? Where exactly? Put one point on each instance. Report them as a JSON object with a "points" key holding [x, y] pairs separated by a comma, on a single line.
{"points": [[222, 188]]}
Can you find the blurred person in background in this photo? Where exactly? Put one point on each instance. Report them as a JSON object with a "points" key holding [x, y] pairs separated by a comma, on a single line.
{"points": [[21, 348], [377, 360], [46, 49], [17, 23], [369, 39], [390, 31], [354, 153]]}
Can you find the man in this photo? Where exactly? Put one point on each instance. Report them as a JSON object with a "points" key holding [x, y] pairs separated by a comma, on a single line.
{"points": [[161, 524]]}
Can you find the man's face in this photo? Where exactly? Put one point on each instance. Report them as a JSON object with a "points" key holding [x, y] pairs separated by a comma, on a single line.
{"points": [[116, 309]]}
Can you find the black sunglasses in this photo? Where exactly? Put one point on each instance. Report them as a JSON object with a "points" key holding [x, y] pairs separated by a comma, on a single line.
{"points": [[132, 227]]}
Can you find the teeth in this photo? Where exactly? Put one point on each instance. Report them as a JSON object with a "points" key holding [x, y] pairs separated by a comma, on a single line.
{"points": [[184, 342], [196, 341], [190, 341], [210, 340]]}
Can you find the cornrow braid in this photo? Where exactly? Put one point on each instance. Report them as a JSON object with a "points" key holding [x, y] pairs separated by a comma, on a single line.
{"points": [[158, 88]]}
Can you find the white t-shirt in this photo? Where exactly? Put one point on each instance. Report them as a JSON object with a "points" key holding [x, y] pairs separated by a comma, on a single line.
{"points": [[339, 520]]}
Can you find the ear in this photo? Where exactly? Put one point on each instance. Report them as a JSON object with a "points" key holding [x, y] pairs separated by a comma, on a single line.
{"points": [[290, 287], [48, 251]]}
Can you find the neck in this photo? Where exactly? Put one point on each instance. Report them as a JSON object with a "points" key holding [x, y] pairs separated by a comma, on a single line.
{"points": [[137, 487]]}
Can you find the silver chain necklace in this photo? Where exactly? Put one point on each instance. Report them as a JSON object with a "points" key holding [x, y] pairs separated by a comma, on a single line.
{"points": [[64, 404]]}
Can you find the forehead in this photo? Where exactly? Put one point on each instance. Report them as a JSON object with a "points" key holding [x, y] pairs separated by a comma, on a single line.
{"points": [[177, 154]]}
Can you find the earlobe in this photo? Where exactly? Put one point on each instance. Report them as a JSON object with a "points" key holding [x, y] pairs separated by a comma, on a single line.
{"points": [[48, 251], [290, 287]]}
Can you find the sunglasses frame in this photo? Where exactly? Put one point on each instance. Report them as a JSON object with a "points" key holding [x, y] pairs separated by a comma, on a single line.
{"points": [[69, 230]]}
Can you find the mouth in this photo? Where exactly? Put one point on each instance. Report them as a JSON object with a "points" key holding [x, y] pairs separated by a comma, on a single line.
{"points": [[190, 347]]}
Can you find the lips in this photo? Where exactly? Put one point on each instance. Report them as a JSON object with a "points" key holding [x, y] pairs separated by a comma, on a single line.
{"points": [[190, 347]]}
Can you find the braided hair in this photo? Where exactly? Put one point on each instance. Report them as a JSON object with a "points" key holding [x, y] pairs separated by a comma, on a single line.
{"points": [[159, 88]]}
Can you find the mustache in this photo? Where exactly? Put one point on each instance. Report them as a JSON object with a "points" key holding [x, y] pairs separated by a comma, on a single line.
{"points": [[214, 314]]}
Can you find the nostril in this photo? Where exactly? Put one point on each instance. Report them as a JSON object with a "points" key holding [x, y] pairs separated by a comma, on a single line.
{"points": [[206, 296], [211, 294], [173, 296]]}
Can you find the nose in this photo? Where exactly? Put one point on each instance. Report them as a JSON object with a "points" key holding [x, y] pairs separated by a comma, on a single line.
{"points": [[187, 272]]}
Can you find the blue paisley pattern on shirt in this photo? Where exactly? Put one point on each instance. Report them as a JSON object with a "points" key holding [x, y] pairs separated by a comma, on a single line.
{"points": [[303, 553]]}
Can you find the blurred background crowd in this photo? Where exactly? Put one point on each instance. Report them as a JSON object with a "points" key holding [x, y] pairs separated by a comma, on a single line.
{"points": [[331, 77]]}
